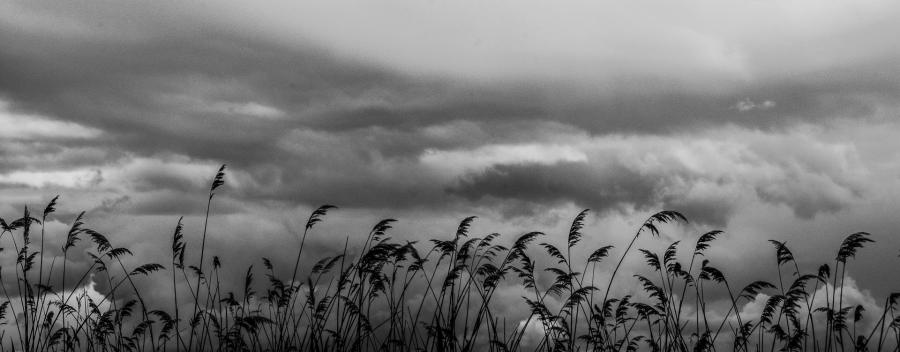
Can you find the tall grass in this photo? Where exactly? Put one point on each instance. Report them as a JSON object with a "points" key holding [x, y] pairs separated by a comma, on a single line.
{"points": [[440, 295]]}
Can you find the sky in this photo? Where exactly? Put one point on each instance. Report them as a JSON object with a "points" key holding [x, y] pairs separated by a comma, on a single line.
{"points": [[765, 119]]}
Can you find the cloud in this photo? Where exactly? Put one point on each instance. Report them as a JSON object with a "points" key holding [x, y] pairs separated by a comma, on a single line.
{"points": [[18, 126], [79, 297], [561, 182], [156, 77], [584, 41], [707, 177], [849, 294], [459, 161], [37, 179], [227, 108], [748, 105]]}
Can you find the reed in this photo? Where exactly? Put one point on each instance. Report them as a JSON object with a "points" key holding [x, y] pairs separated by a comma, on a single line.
{"points": [[437, 295]]}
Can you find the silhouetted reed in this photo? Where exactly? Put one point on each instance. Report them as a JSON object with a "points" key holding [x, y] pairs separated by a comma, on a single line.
{"points": [[434, 296]]}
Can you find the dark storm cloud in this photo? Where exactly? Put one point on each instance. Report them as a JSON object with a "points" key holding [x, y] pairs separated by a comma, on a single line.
{"points": [[193, 93], [707, 178], [160, 94], [132, 91], [562, 182], [523, 190]]}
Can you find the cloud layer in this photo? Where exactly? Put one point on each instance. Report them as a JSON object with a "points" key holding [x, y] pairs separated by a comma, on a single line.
{"points": [[774, 120]]}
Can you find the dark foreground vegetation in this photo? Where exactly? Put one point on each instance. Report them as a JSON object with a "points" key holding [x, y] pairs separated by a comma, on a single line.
{"points": [[431, 296]]}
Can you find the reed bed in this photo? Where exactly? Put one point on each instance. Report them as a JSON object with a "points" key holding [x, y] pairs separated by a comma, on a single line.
{"points": [[439, 295]]}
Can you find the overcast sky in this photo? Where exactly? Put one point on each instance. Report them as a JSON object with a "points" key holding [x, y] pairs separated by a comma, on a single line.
{"points": [[767, 119]]}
